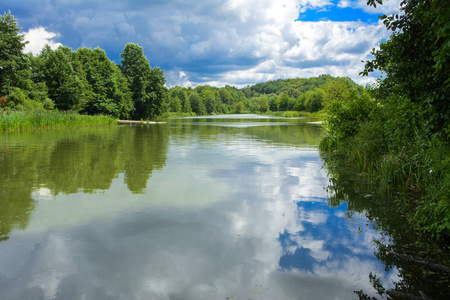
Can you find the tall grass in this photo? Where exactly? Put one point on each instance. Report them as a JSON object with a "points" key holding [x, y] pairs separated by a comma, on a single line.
{"points": [[390, 146], [16, 120], [414, 173]]}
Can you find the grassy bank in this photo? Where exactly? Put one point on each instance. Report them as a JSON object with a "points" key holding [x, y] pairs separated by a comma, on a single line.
{"points": [[395, 154], [16, 120]]}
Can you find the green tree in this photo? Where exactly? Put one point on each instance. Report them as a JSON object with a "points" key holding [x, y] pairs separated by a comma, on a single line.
{"points": [[240, 107], [174, 103], [146, 84], [284, 100], [108, 88], [14, 65], [184, 100], [197, 104], [415, 60], [273, 103], [185, 104], [335, 90], [209, 100], [65, 87], [259, 104], [300, 103], [225, 96], [314, 100]]}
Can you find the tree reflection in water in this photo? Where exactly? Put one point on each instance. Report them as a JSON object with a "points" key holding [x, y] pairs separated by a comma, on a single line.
{"points": [[399, 246], [72, 160]]}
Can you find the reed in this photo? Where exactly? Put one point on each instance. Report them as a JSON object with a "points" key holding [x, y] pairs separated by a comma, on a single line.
{"points": [[17, 120], [413, 172]]}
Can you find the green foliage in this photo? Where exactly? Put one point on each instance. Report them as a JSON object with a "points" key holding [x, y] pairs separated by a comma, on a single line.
{"points": [[310, 101], [20, 100], [14, 65], [284, 102], [415, 60], [295, 114], [174, 104], [259, 104], [388, 143], [345, 118], [178, 101], [308, 95], [226, 97], [85, 81], [65, 87], [198, 107], [209, 100], [409, 130], [146, 84], [335, 91], [108, 91], [300, 94], [273, 103], [239, 107]]}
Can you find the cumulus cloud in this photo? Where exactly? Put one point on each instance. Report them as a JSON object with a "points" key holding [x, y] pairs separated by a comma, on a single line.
{"points": [[38, 37], [227, 228], [221, 42], [314, 4], [388, 7], [268, 44]]}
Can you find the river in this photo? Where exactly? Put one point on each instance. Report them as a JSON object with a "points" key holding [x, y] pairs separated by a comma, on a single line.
{"points": [[222, 207]]}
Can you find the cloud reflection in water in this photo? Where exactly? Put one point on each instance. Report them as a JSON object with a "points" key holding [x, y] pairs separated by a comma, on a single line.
{"points": [[247, 220]]}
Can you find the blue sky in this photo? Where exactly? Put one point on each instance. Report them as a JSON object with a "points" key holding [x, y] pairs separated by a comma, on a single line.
{"points": [[216, 42]]}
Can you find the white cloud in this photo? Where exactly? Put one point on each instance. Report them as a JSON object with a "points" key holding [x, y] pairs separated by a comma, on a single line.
{"points": [[388, 7], [38, 38], [223, 42], [209, 237], [268, 43], [314, 4]]}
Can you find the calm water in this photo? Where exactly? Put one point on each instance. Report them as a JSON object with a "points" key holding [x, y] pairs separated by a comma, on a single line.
{"points": [[199, 208]]}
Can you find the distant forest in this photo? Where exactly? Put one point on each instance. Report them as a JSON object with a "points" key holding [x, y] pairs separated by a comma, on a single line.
{"points": [[299, 94], [86, 81]]}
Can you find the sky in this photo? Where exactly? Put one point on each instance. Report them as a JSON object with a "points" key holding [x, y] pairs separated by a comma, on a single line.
{"points": [[215, 42]]}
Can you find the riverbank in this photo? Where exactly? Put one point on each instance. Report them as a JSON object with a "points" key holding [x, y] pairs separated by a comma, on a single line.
{"points": [[18, 120], [279, 114], [397, 156], [130, 122]]}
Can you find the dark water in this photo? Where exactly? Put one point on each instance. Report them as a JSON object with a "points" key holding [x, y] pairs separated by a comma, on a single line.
{"points": [[200, 208]]}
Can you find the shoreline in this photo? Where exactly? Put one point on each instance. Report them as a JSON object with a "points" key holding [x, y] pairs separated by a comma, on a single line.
{"points": [[130, 122]]}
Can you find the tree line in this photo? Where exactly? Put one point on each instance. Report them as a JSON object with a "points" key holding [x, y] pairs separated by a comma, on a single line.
{"points": [[86, 81], [297, 94]]}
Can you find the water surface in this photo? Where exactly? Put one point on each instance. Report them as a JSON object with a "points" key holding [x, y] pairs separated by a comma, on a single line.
{"points": [[231, 207]]}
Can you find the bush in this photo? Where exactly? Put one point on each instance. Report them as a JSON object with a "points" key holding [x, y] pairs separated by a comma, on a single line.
{"points": [[388, 142], [345, 118]]}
